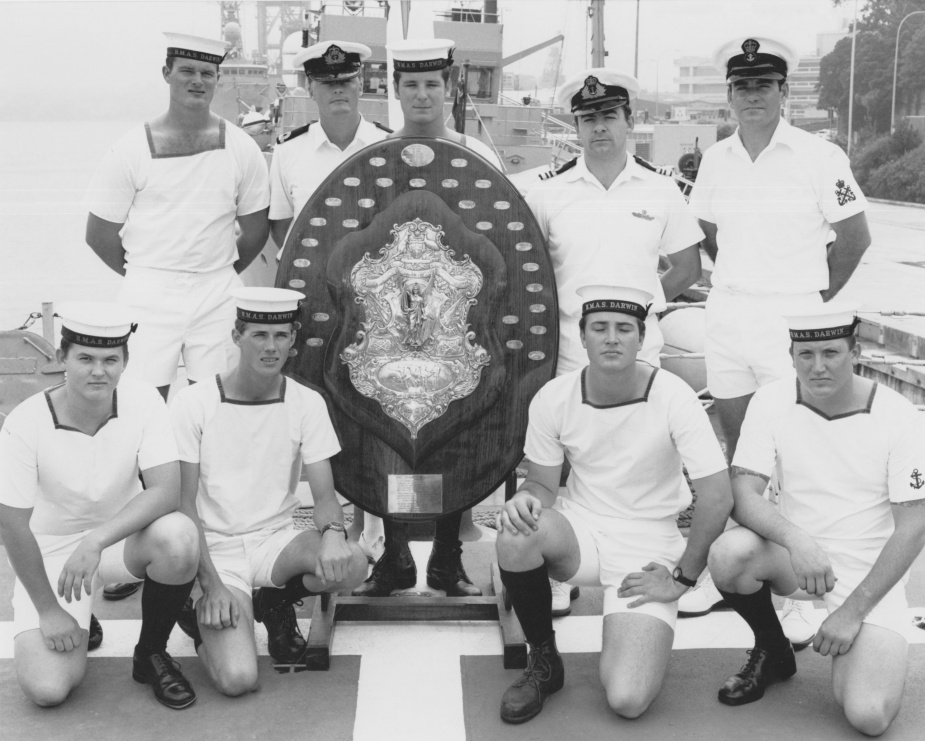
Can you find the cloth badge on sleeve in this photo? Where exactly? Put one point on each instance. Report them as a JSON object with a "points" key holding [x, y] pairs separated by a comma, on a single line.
{"points": [[844, 193], [917, 480]]}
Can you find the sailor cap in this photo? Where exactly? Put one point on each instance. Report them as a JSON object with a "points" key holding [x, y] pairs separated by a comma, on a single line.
{"points": [[262, 305], [254, 118], [195, 47], [96, 323], [619, 299], [421, 55], [332, 60], [597, 89], [755, 56], [827, 322]]}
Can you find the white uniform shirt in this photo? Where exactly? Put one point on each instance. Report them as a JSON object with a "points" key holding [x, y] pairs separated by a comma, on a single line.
{"points": [[301, 165], [179, 211], [837, 476], [773, 215], [626, 459], [250, 454], [608, 235], [482, 149], [74, 481]]}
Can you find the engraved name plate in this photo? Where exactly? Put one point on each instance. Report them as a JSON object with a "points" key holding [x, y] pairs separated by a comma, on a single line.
{"points": [[416, 494]]}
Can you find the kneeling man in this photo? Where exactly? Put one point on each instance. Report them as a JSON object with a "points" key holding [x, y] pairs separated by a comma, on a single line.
{"points": [[74, 514], [849, 456], [244, 437], [626, 427]]}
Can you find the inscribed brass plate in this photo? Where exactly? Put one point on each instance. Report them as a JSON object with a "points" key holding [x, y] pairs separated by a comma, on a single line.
{"points": [[416, 494]]}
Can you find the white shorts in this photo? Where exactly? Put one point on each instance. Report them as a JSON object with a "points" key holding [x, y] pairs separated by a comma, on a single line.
{"points": [[179, 313], [747, 344], [56, 550], [851, 566], [573, 356], [610, 548], [246, 561]]}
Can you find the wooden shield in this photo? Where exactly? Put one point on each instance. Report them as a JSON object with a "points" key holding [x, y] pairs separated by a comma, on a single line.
{"points": [[430, 322]]}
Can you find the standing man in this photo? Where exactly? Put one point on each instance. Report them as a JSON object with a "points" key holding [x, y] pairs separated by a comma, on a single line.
{"points": [[768, 198], [308, 154], [163, 207], [626, 427], [850, 455], [74, 514], [244, 437], [421, 78], [609, 217]]}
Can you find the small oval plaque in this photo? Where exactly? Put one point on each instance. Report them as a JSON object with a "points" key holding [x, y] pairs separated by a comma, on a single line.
{"points": [[417, 182], [502, 205], [417, 155], [351, 182], [320, 317], [350, 223], [510, 319], [483, 183], [450, 183], [377, 161], [531, 267], [297, 283], [514, 344], [384, 182], [366, 203], [332, 202], [318, 221], [536, 355], [483, 225], [310, 242], [534, 287], [537, 308], [314, 342], [523, 246], [537, 329], [467, 204], [515, 226], [301, 263], [460, 162]]}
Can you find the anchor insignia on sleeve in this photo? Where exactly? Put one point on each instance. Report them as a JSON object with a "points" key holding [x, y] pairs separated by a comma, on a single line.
{"points": [[917, 480], [843, 193]]}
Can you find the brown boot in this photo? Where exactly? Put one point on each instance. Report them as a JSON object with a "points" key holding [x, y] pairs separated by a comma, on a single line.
{"points": [[544, 675], [445, 571]]}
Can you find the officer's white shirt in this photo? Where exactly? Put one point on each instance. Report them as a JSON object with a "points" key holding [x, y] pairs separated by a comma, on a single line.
{"points": [[626, 458], [301, 165], [250, 454], [838, 476], [608, 235], [773, 215], [179, 211], [74, 481]]}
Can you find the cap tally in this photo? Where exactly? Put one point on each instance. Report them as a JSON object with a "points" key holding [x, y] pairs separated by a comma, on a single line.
{"points": [[332, 60], [195, 47], [96, 323], [421, 55], [618, 299], [261, 305], [827, 323]]}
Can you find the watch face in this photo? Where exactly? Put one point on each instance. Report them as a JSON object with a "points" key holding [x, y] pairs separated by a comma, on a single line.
{"points": [[677, 572]]}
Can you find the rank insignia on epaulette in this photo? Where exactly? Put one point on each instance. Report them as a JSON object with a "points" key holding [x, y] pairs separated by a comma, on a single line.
{"points": [[643, 215], [843, 193], [750, 47]]}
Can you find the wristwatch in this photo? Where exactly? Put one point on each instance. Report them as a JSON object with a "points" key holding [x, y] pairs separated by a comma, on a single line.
{"points": [[337, 527], [679, 577]]}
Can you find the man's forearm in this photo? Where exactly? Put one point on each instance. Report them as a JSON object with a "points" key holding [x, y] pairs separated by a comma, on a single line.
{"points": [[852, 238], [278, 230], [141, 511], [26, 558], [714, 505]]}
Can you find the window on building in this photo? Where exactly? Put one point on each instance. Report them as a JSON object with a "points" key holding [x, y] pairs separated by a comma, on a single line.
{"points": [[375, 78], [479, 82]]}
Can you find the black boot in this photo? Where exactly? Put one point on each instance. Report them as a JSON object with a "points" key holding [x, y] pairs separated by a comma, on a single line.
{"points": [[95, 639], [762, 668], [394, 570], [274, 608], [189, 623], [543, 676], [445, 571]]}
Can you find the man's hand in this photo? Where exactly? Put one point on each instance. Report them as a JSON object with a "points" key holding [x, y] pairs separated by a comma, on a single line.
{"points": [[653, 584], [217, 608], [60, 630], [79, 570], [812, 568], [333, 562], [520, 514], [837, 633]]}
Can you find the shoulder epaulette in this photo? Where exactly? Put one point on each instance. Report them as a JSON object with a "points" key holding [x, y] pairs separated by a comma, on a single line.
{"points": [[565, 168], [646, 164], [385, 128], [295, 133]]}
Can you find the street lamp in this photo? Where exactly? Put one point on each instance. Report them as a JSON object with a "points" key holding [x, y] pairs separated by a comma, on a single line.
{"points": [[895, 64]]}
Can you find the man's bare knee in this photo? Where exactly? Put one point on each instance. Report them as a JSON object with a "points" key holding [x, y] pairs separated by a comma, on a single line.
{"points": [[234, 681], [174, 541], [626, 699], [730, 555], [871, 716], [513, 550], [47, 692]]}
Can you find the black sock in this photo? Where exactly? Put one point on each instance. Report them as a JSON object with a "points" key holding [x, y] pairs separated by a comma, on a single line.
{"points": [[396, 535], [531, 596], [446, 530], [160, 608], [758, 611]]}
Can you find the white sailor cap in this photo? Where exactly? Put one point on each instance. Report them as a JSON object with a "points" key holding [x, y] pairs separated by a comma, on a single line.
{"points": [[422, 55], [267, 305], [619, 299], [195, 47], [827, 322], [597, 89], [96, 323], [254, 118], [332, 60], [755, 56]]}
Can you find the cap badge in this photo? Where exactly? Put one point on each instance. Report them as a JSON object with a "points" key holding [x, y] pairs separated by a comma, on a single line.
{"points": [[592, 88], [750, 47], [334, 55]]}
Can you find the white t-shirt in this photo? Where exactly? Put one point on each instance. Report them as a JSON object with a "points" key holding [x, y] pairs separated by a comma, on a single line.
{"points": [[302, 164], [179, 211], [774, 215], [626, 459], [250, 454], [608, 235], [837, 476], [74, 481]]}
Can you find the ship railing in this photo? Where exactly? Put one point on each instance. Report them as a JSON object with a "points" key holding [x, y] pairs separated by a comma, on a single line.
{"points": [[356, 8]]}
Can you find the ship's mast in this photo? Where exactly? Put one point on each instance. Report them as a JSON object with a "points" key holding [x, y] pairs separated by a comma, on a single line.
{"points": [[596, 14]]}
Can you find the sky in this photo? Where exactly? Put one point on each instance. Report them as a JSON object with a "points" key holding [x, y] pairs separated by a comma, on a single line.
{"points": [[102, 58]]}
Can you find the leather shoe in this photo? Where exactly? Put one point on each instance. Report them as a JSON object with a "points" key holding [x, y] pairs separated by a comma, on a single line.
{"points": [[284, 640], [762, 668], [544, 675], [445, 571], [189, 623], [164, 676], [113, 592], [95, 639], [394, 570]]}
